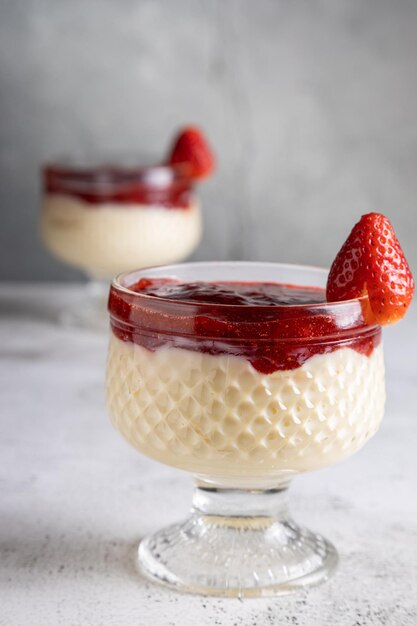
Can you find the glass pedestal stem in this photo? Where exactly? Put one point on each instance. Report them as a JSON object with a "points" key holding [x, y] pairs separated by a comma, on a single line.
{"points": [[89, 311]]}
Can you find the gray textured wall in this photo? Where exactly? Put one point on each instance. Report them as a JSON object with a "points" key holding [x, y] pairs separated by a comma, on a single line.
{"points": [[311, 105]]}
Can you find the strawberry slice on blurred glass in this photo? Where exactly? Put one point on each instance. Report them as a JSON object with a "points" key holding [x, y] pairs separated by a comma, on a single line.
{"points": [[191, 150]]}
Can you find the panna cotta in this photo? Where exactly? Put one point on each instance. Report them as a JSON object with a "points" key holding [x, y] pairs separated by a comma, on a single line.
{"points": [[105, 219], [246, 374], [241, 382]]}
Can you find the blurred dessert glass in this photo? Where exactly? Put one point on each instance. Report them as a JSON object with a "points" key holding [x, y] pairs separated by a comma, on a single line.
{"points": [[107, 218]]}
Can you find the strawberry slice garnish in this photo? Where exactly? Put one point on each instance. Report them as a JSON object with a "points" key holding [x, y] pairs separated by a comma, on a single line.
{"points": [[192, 151], [371, 262]]}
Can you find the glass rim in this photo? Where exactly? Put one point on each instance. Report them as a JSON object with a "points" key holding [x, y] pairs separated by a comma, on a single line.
{"points": [[336, 306], [109, 174]]}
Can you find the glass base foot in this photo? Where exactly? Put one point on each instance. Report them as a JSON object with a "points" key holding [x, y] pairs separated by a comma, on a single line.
{"points": [[225, 554]]}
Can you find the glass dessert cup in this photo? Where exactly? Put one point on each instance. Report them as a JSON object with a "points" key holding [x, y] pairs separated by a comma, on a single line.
{"points": [[244, 398], [103, 219]]}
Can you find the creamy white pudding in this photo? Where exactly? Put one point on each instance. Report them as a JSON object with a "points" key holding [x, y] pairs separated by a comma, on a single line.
{"points": [[243, 382], [216, 415], [103, 240]]}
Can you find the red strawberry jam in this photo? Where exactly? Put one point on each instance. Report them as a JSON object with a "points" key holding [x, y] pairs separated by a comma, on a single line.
{"points": [[274, 326], [159, 185], [236, 294]]}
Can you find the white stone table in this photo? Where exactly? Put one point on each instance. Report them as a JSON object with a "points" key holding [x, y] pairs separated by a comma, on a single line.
{"points": [[75, 498]]}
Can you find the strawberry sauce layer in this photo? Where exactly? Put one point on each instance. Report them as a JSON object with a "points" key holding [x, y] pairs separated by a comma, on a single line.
{"points": [[274, 326], [148, 186]]}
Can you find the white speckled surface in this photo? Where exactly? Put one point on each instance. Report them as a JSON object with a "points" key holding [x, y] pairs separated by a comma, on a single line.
{"points": [[75, 498]]}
